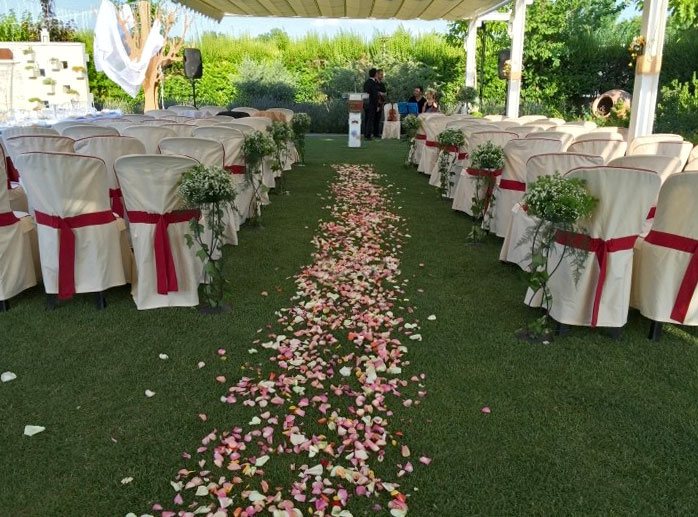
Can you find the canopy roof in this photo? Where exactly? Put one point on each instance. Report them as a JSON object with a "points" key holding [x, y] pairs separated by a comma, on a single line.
{"points": [[376, 9]]}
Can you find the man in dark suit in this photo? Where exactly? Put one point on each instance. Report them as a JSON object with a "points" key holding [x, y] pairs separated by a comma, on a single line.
{"points": [[382, 97], [371, 104]]}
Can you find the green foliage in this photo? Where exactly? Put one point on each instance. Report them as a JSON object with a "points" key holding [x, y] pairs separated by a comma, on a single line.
{"points": [[559, 200], [677, 111], [411, 125], [270, 78], [450, 142], [300, 125], [256, 148], [26, 28], [488, 156]]}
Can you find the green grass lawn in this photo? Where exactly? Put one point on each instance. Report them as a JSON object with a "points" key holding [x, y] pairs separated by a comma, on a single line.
{"points": [[585, 425]]}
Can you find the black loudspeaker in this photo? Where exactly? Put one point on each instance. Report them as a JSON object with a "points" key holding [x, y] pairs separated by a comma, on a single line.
{"points": [[193, 68], [504, 56]]}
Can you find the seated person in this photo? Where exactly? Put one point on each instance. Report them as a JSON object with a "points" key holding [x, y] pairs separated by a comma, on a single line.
{"points": [[430, 106], [418, 98]]}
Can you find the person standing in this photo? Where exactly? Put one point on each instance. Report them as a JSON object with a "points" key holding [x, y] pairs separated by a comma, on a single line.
{"points": [[371, 104], [382, 98]]}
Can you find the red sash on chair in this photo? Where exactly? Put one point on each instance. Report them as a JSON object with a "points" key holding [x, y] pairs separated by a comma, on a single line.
{"points": [[235, 169], [601, 248], [690, 277], [8, 219], [66, 243], [117, 205], [519, 186], [420, 137], [165, 270], [431, 143], [490, 188]]}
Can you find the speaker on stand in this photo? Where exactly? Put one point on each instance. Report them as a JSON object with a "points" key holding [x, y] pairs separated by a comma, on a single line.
{"points": [[504, 57], [193, 68]]}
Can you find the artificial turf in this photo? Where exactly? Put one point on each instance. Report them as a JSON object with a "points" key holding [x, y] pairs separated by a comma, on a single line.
{"points": [[585, 425]]}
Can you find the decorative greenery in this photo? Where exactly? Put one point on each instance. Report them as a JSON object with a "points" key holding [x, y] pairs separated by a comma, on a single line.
{"points": [[487, 159], [38, 103], [256, 148], [467, 95], [450, 141], [281, 135], [210, 190], [636, 49], [300, 125], [677, 111], [411, 124], [558, 203]]}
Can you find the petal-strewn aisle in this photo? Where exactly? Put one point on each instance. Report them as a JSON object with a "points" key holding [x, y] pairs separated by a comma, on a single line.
{"points": [[320, 439]]}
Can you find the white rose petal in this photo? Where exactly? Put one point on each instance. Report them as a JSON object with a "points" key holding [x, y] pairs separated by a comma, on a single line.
{"points": [[416, 337], [126, 481], [431, 317], [164, 357], [7, 377], [31, 430], [149, 393], [346, 371], [261, 461], [201, 491]]}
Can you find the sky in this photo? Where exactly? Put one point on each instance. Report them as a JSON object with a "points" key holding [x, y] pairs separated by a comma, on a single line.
{"points": [[83, 13]]}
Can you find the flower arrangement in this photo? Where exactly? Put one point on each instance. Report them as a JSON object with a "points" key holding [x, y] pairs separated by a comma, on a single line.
{"points": [[281, 135], [558, 203], [256, 148], [300, 125], [80, 70], [467, 95], [450, 141], [636, 49], [486, 162], [506, 69], [210, 190], [411, 124]]}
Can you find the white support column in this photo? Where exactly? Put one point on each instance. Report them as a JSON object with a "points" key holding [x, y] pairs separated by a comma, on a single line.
{"points": [[471, 54], [647, 68], [516, 60]]}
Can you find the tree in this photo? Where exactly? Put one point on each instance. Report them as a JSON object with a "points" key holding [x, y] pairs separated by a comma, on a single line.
{"points": [[137, 35]]}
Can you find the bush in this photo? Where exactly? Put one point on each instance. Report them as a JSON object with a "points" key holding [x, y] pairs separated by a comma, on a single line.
{"points": [[264, 79], [677, 111]]}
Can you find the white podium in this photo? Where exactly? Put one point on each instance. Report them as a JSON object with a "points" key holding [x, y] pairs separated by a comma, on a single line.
{"points": [[355, 102]]}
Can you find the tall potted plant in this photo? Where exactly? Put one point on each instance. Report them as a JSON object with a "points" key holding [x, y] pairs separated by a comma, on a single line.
{"points": [[558, 204], [281, 136], [300, 125], [410, 124], [256, 148], [210, 190], [486, 163], [450, 143], [467, 95]]}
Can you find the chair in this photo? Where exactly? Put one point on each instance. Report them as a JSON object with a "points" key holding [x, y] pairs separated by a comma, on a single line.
{"points": [[257, 123], [514, 250], [656, 137], [168, 270], [609, 145], [244, 109], [84, 131], [599, 293], [432, 127], [63, 124], [15, 192], [79, 236], [506, 125], [524, 131], [622, 131], [34, 143], [563, 137], [391, 128], [692, 164], [120, 125], [525, 119], [161, 114], [109, 148], [586, 123], [243, 128], [181, 109], [664, 166], [274, 116], [136, 119], [681, 150], [287, 113], [210, 153], [17, 271], [181, 130], [234, 161], [149, 136], [571, 129], [212, 110], [495, 118], [12, 132], [512, 183], [665, 266]]}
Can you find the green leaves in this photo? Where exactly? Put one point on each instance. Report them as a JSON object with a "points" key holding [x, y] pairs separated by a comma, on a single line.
{"points": [[559, 200], [487, 156]]}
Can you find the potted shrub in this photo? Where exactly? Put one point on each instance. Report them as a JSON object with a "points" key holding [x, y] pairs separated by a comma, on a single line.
{"points": [[56, 64], [33, 71], [558, 204], [281, 135], [29, 52], [300, 125], [256, 148], [211, 191], [486, 163], [51, 83], [38, 103], [410, 124], [80, 71], [467, 95], [450, 143]]}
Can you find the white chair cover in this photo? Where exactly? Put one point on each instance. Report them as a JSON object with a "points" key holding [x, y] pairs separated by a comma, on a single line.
{"points": [[495, 118], [287, 113], [524, 131], [182, 119], [135, 118], [234, 160], [38, 143], [586, 123], [656, 137], [211, 154], [391, 128], [525, 119], [692, 164], [160, 114], [109, 148], [512, 183], [78, 132], [15, 192], [258, 123], [181, 130], [149, 136], [622, 131], [573, 130], [506, 125], [614, 226], [62, 187], [663, 166], [564, 138], [120, 125], [245, 109], [212, 110], [432, 127], [149, 184], [609, 146], [514, 249], [680, 150], [180, 109], [63, 124], [243, 128], [12, 132], [665, 267], [16, 255]]}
